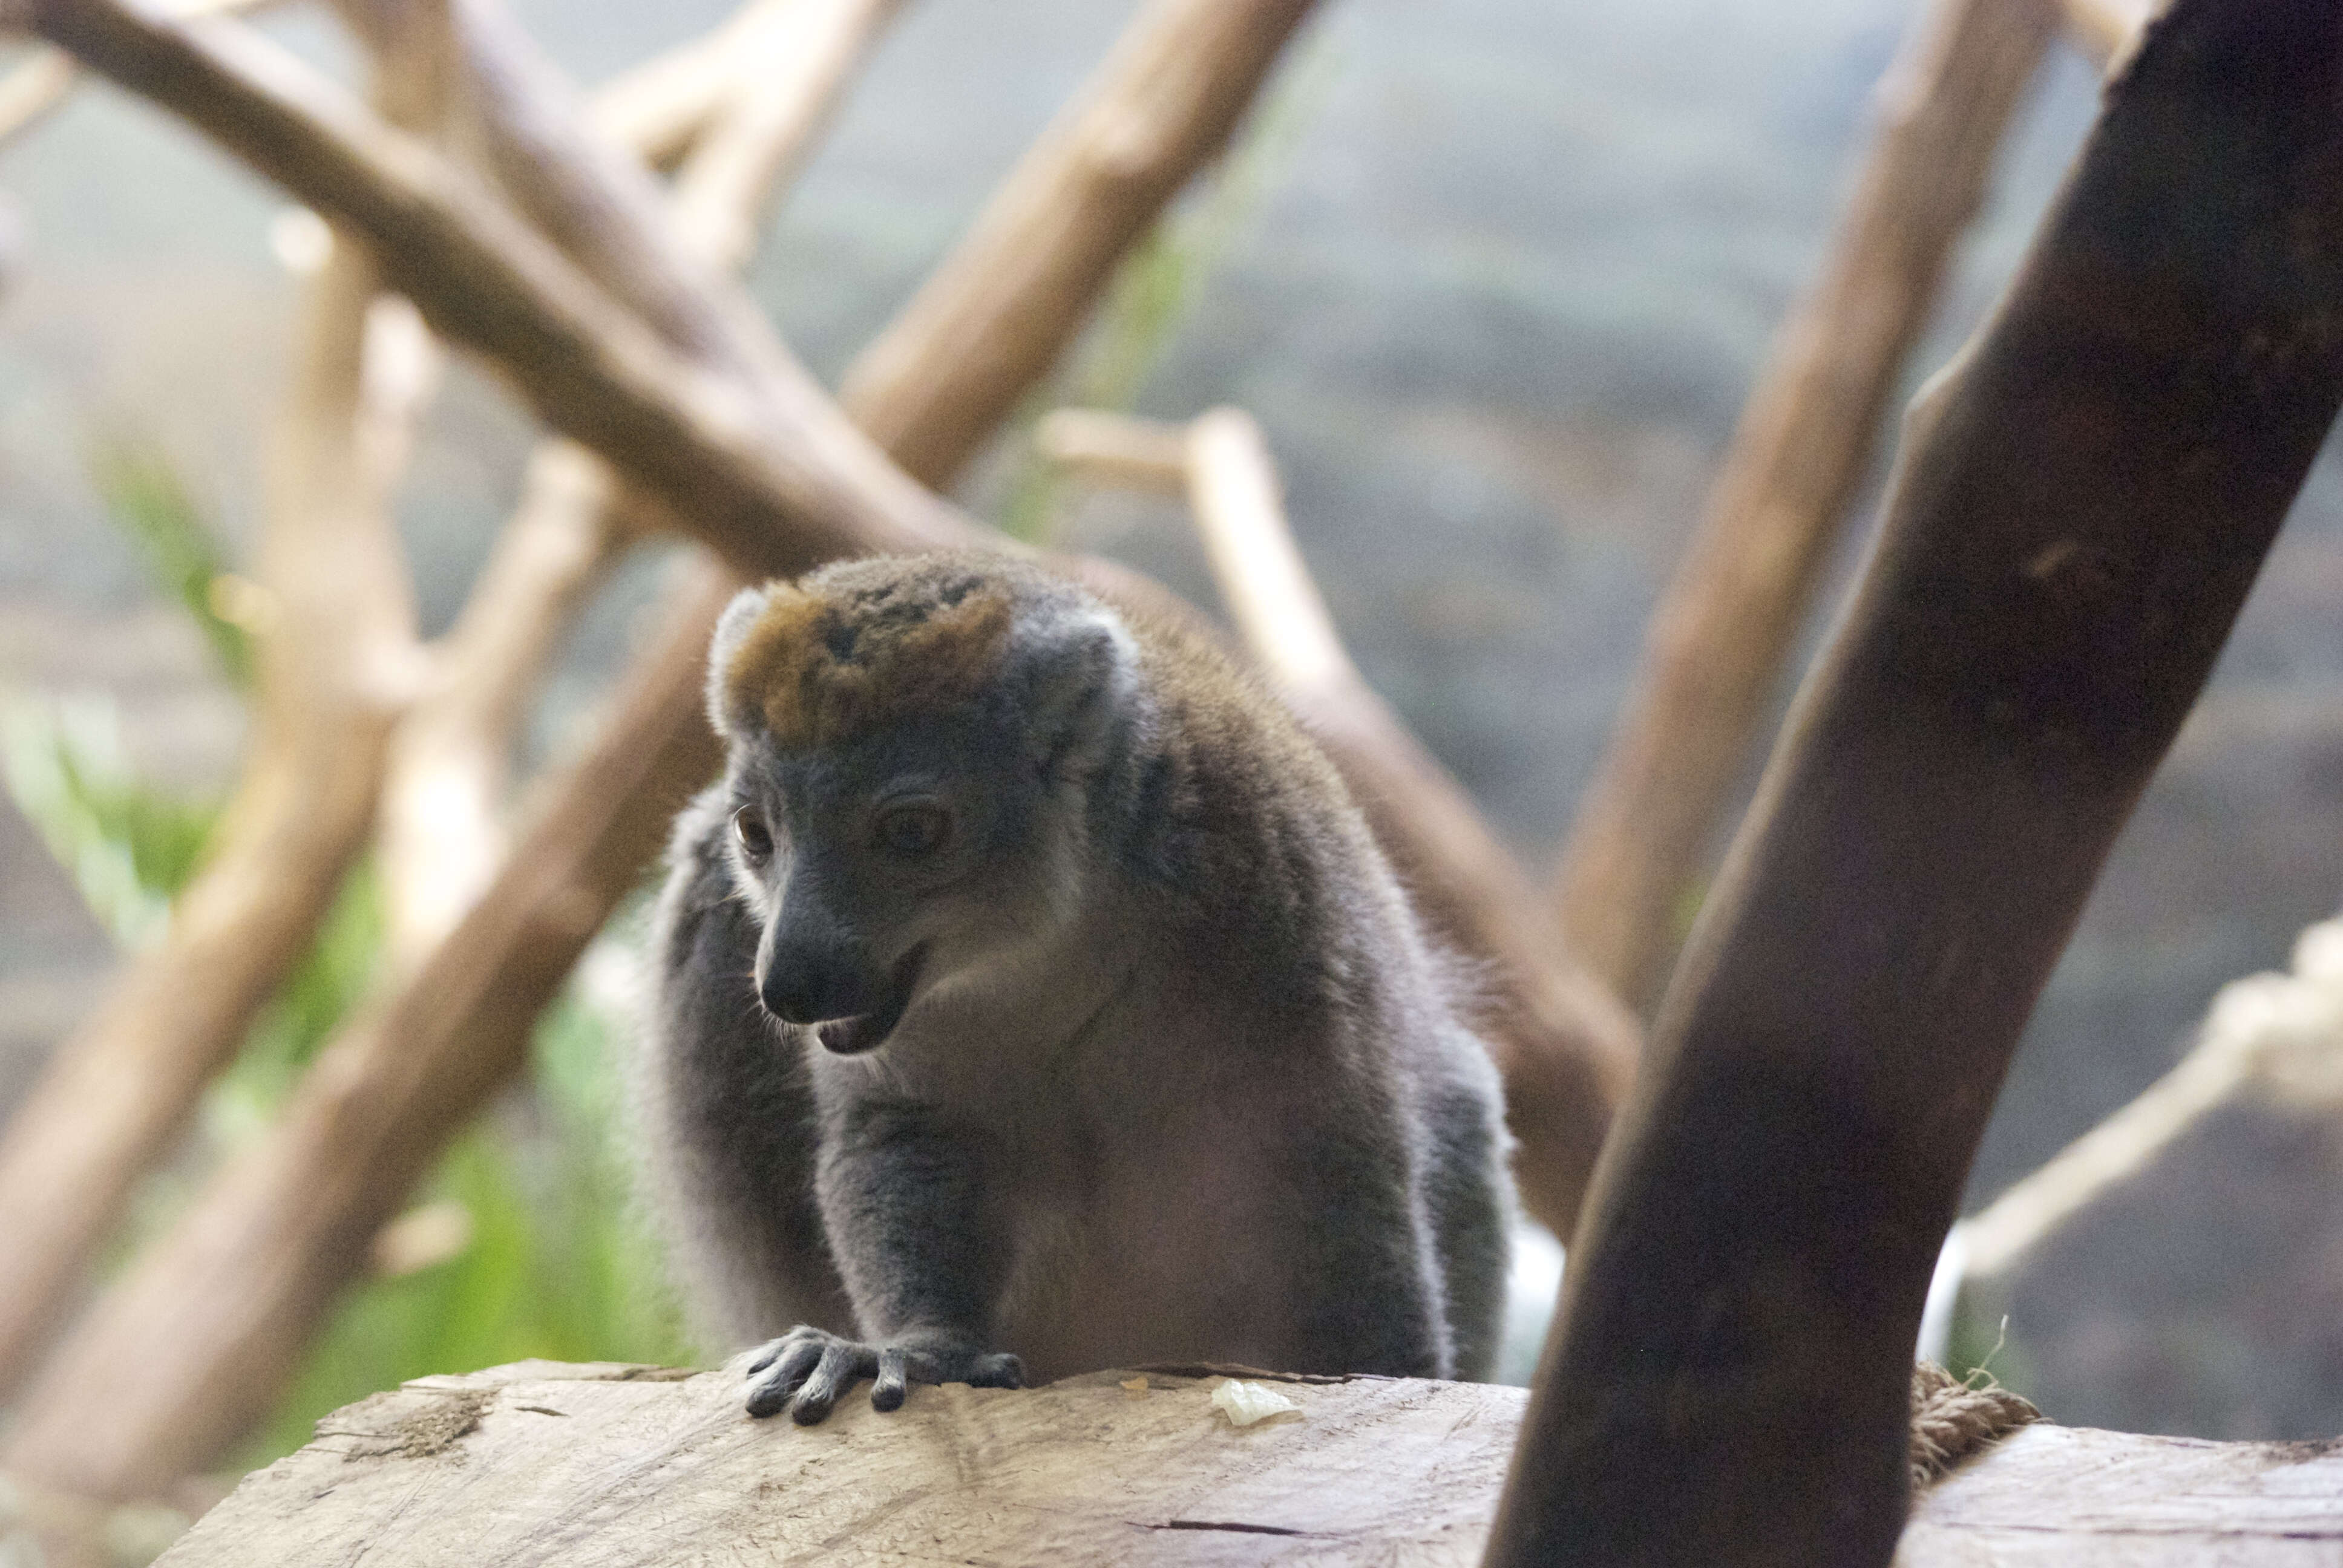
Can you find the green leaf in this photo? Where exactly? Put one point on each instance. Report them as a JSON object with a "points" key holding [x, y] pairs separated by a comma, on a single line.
{"points": [[144, 497]]}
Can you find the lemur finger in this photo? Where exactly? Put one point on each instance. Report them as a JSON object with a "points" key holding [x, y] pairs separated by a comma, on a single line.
{"points": [[784, 1378], [841, 1365], [823, 1388], [1001, 1370], [894, 1374]]}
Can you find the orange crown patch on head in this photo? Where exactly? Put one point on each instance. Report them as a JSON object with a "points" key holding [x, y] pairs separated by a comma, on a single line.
{"points": [[828, 660]]}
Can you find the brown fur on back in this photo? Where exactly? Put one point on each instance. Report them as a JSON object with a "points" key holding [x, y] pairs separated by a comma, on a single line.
{"points": [[830, 660]]}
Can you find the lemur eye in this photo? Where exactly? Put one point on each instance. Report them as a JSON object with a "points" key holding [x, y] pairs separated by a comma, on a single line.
{"points": [[914, 829], [756, 839]]}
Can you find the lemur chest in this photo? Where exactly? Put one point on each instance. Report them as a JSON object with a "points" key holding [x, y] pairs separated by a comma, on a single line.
{"points": [[1161, 1253]]}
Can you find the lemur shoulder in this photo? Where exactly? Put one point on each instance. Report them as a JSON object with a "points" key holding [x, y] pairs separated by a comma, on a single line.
{"points": [[1031, 999]]}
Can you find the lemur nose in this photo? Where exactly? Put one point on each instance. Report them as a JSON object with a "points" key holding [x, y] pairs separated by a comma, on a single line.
{"points": [[790, 999], [806, 986]]}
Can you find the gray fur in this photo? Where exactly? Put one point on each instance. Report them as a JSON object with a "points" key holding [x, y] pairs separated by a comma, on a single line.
{"points": [[1179, 1077]]}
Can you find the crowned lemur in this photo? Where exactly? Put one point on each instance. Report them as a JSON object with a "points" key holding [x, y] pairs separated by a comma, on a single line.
{"points": [[1031, 999]]}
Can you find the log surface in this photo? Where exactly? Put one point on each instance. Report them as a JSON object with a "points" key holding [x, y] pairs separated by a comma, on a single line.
{"points": [[610, 1464]]}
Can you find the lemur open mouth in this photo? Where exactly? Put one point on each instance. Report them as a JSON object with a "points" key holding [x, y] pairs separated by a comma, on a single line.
{"points": [[868, 1032]]}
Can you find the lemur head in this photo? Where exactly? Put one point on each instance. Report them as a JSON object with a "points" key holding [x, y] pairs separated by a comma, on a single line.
{"points": [[911, 740]]}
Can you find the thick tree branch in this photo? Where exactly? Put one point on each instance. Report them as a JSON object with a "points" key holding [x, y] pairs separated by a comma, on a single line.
{"points": [[1714, 654], [769, 473], [45, 78], [2080, 507]]}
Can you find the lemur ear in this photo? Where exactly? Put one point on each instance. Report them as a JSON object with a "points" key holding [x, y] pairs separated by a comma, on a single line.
{"points": [[1082, 668], [731, 627]]}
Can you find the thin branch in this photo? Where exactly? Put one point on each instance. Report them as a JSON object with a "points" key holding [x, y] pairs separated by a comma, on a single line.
{"points": [[2081, 505], [1567, 1049], [988, 321], [38, 86], [1714, 654], [658, 108], [793, 65], [442, 836], [1115, 449], [2276, 1034]]}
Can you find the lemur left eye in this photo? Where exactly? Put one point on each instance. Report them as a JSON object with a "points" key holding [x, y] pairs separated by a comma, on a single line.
{"points": [[756, 839], [914, 829]]}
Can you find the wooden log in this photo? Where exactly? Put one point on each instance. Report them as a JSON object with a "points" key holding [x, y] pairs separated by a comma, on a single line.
{"points": [[2081, 505], [540, 1462], [1713, 655]]}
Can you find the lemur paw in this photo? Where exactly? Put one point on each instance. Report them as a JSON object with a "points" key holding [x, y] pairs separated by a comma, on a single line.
{"points": [[806, 1370]]}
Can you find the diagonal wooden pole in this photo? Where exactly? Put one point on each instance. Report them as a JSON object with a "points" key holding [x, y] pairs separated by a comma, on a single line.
{"points": [[2079, 510]]}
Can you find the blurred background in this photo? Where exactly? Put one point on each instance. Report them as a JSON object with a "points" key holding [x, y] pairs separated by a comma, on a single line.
{"points": [[1494, 275]]}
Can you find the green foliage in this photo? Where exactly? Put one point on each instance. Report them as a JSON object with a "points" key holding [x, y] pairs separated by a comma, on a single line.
{"points": [[128, 848], [555, 1264], [144, 495], [1979, 1348]]}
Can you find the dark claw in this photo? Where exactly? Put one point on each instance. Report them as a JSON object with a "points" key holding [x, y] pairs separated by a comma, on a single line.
{"points": [[997, 1371]]}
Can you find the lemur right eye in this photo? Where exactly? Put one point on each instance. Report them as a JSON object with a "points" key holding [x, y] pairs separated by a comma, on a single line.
{"points": [[756, 839]]}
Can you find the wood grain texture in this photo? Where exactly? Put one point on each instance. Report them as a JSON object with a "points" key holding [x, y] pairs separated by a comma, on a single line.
{"points": [[607, 1465]]}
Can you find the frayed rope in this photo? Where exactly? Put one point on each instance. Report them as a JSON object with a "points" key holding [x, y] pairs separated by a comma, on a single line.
{"points": [[1954, 1419]]}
